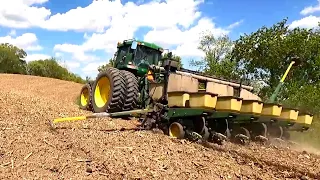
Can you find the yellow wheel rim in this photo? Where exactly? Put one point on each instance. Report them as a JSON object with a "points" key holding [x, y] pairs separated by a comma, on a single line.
{"points": [[174, 130], [102, 91], [84, 98]]}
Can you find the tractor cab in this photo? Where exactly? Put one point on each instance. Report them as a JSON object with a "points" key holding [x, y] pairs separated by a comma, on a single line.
{"points": [[136, 56]]}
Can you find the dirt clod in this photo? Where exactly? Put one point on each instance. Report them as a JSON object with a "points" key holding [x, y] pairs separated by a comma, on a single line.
{"points": [[89, 170], [103, 149]]}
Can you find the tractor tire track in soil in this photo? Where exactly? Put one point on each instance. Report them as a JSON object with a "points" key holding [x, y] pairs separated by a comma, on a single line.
{"points": [[112, 149]]}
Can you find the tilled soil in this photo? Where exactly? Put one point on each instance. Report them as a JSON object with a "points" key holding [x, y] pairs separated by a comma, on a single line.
{"points": [[112, 149]]}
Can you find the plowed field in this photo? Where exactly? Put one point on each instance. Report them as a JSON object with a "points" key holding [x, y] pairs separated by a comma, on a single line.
{"points": [[111, 149]]}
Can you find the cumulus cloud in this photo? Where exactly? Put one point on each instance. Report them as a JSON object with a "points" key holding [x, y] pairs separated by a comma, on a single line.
{"points": [[70, 65], [21, 13], [306, 22], [91, 69], [175, 24], [27, 41], [236, 24], [310, 21], [34, 57], [12, 33], [179, 27], [102, 14], [311, 9]]}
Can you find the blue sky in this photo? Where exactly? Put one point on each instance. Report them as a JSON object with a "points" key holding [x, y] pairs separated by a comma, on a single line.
{"points": [[83, 33]]}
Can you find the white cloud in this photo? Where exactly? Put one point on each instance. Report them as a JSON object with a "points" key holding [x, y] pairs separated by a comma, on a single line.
{"points": [[311, 9], [236, 24], [33, 2], [27, 41], [310, 21], [58, 54], [12, 33], [306, 22], [34, 57], [21, 13], [175, 24], [124, 20], [186, 41], [70, 65], [78, 52], [101, 14], [91, 69]]}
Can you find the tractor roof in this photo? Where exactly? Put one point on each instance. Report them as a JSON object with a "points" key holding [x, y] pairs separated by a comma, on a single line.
{"points": [[143, 43]]}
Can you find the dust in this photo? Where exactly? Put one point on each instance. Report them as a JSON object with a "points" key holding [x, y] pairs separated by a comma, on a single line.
{"points": [[305, 148]]}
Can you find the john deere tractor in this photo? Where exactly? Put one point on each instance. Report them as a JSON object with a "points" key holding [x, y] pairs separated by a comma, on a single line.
{"points": [[123, 86], [185, 103]]}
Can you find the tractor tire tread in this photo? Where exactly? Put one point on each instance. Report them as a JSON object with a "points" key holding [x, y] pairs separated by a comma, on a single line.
{"points": [[131, 90], [89, 106], [115, 103]]}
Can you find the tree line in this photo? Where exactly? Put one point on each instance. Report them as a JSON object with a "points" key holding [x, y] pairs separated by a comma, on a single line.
{"points": [[12, 61]]}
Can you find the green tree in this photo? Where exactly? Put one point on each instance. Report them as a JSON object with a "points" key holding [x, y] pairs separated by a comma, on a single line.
{"points": [[264, 55], [51, 68], [109, 64], [88, 79], [11, 59], [217, 57]]}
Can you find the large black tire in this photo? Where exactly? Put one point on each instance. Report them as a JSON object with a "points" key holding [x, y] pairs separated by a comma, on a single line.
{"points": [[86, 97], [132, 91], [112, 101]]}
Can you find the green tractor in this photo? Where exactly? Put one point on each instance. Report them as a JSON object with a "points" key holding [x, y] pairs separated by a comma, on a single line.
{"points": [[123, 86]]}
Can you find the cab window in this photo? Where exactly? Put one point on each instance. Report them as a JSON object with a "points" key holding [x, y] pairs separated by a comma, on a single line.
{"points": [[122, 51]]}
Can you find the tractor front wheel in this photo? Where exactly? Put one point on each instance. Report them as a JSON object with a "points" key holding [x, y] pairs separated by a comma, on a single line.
{"points": [[108, 91]]}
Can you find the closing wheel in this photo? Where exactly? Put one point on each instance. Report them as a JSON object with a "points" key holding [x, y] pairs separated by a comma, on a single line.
{"points": [[131, 90], [85, 97], [286, 135], [176, 130], [108, 91], [259, 129], [275, 131], [199, 124], [206, 133], [245, 132]]}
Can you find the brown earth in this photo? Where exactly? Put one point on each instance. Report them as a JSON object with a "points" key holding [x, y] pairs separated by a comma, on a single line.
{"points": [[97, 149]]}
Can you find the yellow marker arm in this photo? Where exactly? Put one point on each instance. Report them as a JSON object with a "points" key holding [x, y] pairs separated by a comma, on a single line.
{"points": [[69, 119], [287, 71]]}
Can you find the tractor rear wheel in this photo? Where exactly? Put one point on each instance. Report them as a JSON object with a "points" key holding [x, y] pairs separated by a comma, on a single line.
{"points": [[108, 91], [86, 97], [131, 90]]}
